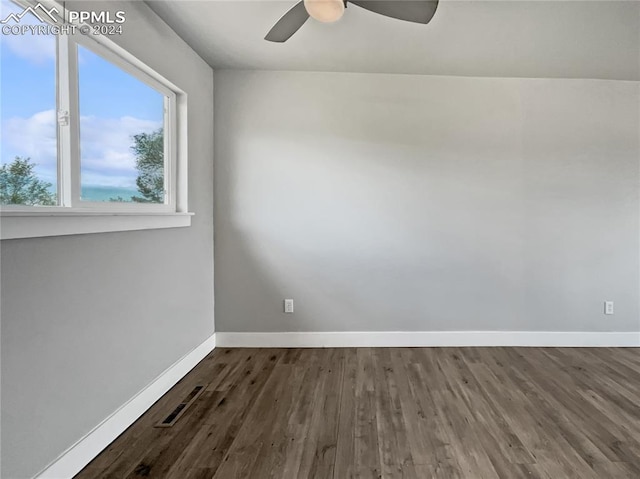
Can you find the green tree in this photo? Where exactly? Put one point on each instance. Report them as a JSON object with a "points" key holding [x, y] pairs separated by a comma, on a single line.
{"points": [[19, 185], [149, 151]]}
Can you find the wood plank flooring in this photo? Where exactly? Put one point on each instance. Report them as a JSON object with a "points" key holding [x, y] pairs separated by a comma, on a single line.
{"points": [[410, 413]]}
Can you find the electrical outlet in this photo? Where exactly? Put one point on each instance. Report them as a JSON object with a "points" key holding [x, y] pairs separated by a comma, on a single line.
{"points": [[608, 307], [288, 305]]}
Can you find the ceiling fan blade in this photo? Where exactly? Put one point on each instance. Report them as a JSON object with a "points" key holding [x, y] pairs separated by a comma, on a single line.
{"points": [[417, 11], [289, 24]]}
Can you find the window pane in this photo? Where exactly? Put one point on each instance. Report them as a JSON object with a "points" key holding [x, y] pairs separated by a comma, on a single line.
{"points": [[29, 147], [121, 134]]}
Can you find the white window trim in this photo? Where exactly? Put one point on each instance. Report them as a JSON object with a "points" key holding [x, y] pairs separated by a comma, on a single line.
{"points": [[37, 225], [20, 222]]}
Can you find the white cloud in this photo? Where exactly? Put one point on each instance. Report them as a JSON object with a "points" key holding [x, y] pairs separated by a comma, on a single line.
{"points": [[106, 148], [37, 49], [34, 137], [106, 143]]}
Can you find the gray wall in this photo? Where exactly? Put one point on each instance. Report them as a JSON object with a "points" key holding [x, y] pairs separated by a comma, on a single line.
{"points": [[88, 321], [408, 203]]}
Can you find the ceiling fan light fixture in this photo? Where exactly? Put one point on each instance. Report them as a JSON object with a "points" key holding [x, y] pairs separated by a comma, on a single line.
{"points": [[325, 11]]}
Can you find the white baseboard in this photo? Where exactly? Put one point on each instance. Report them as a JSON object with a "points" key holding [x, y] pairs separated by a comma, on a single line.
{"points": [[70, 462], [426, 339]]}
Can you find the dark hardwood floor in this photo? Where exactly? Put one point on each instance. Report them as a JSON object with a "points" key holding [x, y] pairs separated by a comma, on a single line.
{"points": [[473, 413]]}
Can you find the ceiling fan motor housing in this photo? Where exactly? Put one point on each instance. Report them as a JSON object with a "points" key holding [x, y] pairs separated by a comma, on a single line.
{"points": [[416, 11], [325, 11]]}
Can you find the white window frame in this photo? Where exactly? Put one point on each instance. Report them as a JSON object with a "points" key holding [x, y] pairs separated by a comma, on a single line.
{"points": [[72, 215]]}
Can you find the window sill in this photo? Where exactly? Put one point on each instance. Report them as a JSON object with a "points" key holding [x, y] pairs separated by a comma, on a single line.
{"points": [[25, 224]]}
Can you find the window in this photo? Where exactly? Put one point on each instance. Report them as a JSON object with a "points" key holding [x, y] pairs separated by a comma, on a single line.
{"points": [[84, 128], [28, 150], [122, 123]]}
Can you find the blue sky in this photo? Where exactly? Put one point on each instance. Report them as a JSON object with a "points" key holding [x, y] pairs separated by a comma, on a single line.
{"points": [[113, 107]]}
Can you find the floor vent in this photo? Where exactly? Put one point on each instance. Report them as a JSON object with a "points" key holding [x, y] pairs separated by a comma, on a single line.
{"points": [[180, 409]]}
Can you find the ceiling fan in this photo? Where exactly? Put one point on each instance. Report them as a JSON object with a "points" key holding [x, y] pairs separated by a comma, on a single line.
{"points": [[417, 11]]}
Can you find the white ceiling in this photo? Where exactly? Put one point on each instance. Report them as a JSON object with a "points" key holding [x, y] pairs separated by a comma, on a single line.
{"points": [[513, 38]]}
